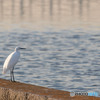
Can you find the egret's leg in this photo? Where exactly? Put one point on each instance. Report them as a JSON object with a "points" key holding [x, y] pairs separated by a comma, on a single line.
{"points": [[13, 77], [11, 74]]}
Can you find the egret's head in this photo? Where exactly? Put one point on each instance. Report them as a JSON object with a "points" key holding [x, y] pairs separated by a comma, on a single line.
{"points": [[18, 48]]}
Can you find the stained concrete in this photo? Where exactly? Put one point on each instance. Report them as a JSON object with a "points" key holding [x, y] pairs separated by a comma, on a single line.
{"points": [[21, 91]]}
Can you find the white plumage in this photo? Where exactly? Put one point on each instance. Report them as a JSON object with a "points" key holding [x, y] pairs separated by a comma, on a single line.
{"points": [[11, 61]]}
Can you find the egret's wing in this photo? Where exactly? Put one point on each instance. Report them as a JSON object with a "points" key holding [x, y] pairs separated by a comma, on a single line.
{"points": [[10, 62]]}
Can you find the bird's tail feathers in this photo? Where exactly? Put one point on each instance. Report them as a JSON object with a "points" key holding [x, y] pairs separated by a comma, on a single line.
{"points": [[3, 72]]}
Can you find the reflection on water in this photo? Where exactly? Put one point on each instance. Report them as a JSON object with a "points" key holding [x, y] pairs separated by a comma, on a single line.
{"points": [[59, 12], [62, 38]]}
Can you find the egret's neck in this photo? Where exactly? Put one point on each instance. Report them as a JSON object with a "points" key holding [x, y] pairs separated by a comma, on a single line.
{"points": [[16, 50]]}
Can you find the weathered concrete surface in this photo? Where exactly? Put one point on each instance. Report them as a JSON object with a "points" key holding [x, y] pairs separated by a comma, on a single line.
{"points": [[20, 91]]}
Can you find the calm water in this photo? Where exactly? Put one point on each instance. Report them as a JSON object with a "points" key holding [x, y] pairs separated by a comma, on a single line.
{"points": [[62, 38]]}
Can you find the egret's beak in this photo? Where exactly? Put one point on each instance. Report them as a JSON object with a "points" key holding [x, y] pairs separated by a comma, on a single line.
{"points": [[22, 48]]}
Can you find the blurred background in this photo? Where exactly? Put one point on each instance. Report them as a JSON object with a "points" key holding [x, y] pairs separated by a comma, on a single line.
{"points": [[62, 41]]}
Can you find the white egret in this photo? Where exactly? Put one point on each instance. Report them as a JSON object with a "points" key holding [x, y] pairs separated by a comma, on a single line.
{"points": [[11, 61]]}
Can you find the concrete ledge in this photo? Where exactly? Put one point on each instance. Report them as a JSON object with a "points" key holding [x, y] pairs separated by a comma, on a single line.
{"points": [[20, 91]]}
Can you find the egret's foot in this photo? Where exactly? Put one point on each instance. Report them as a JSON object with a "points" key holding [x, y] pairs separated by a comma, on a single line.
{"points": [[12, 81]]}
